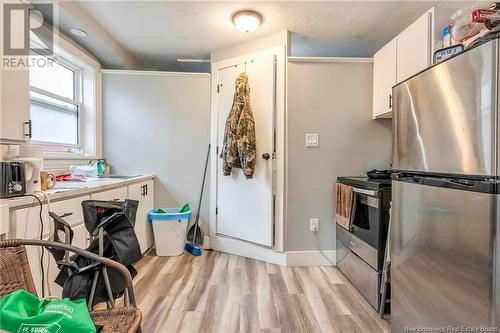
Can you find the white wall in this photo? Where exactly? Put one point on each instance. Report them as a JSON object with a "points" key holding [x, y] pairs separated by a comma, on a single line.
{"points": [[159, 123], [333, 99]]}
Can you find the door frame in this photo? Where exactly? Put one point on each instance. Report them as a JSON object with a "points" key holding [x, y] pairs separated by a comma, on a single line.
{"points": [[279, 162]]}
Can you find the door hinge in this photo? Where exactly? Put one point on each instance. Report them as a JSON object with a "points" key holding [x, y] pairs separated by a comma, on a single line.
{"points": [[217, 150], [216, 210], [390, 102], [218, 88]]}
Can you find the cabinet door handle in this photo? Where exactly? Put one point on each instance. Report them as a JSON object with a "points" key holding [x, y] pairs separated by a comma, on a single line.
{"points": [[146, 190], [27, 129], [390, 102]]}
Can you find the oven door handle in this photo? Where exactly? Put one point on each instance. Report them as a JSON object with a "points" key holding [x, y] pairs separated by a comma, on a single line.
{"points": [[366, 192]]}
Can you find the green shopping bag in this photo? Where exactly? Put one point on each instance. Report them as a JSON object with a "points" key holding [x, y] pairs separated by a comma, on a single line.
{"points": [[22, 312]]}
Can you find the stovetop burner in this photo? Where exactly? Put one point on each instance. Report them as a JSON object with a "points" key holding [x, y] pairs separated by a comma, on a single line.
{"points": [[365, 182]]}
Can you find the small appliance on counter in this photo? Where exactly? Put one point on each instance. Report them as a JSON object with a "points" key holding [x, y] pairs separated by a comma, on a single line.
{"points": [[32, 168], [361, 246], [13, 179]]}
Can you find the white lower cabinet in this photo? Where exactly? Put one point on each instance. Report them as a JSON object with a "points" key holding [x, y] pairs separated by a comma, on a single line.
{"points": [[117, 194], [80, 240], [143, 192], [71, 209], [34, 254], [25, 223]]}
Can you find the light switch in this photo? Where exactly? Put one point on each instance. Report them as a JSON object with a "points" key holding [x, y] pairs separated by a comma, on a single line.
{"points": [[312, 140]]}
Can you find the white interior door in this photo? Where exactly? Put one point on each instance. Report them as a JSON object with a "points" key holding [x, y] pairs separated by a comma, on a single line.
{"points": [[245, 206]]}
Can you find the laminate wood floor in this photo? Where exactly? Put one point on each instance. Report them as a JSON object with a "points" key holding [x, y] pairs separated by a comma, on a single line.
{"points": [[219, 292]]}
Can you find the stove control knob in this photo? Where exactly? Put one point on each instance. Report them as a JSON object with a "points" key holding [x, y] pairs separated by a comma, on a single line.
{"points": [[17, 188]]}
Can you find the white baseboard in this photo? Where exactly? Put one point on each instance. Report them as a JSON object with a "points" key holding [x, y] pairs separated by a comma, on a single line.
{"points": [[245, 249], [249, 250], [206, 243], [309, 258]]}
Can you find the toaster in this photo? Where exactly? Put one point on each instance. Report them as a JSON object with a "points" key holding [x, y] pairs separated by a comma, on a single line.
{"points": [[13, 179]]}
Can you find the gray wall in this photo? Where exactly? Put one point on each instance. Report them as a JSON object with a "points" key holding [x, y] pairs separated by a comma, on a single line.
{"points": [[335, 101], [159, 124]]}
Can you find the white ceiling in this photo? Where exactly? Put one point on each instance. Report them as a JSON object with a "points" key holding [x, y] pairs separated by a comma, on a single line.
{"points": [[159, 32]]}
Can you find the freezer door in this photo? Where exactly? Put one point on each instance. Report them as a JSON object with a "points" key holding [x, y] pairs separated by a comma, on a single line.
{"points": [[442, 261], [444, 119]]}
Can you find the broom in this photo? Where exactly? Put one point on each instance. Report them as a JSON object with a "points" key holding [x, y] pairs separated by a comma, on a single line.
{"points": [[195, 228]]}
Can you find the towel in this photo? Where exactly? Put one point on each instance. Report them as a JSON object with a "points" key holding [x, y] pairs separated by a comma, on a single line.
{"points": [[345, 206]]}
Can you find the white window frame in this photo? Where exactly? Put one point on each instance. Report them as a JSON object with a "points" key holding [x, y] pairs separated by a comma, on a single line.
{"points": [[77, 101], [90, 96]]}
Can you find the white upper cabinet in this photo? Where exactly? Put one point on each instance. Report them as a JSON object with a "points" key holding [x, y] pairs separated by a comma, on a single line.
{"points": [[414, 48], [14, 104], [404, 56], [384, 78], [14, 97]]}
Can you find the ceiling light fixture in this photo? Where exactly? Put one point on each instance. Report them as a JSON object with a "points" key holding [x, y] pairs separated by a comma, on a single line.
{"points": [[78, 33], [247, 20]]}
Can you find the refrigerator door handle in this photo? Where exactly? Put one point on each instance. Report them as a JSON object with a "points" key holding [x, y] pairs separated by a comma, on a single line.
{"points": [[474, 185]]}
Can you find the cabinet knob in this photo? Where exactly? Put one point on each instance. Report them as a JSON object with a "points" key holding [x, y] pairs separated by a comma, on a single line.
{"points": [[266, 156]]}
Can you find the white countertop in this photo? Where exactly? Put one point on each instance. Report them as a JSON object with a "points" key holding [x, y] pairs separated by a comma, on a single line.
{"points": [[64, 190]]}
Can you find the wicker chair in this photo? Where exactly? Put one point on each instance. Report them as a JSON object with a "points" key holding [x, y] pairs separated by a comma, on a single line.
{"points": [[15, 274]]}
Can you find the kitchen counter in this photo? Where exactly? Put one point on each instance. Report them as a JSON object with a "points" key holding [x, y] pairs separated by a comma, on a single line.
{"points": [[66, 190]]}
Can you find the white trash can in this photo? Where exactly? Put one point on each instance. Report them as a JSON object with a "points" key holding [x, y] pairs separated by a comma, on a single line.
{"points": [[169, 230]]}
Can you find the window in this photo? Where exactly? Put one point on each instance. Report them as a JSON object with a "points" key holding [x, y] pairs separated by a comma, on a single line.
{"points": [[55, 106], [65, 103]]}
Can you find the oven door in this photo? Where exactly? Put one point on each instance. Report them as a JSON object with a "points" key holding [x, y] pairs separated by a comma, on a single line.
{"points": [[366, 223]]}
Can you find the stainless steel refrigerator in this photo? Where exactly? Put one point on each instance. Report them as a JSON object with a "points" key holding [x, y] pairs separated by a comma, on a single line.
{"points": [[446, 154]]}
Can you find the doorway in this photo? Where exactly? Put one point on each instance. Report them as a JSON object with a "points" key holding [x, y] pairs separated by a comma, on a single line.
{"points": [[245, 207]]}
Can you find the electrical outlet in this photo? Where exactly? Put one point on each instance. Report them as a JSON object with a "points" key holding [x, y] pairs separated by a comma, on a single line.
{"points": [[314, 225], [312, 140]]}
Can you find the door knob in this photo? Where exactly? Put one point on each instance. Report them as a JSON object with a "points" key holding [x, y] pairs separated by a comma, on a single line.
{"points": [[266, 156]]}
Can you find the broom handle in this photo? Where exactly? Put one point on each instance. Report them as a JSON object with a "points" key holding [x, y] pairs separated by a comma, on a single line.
{"points": [[201, 194]]}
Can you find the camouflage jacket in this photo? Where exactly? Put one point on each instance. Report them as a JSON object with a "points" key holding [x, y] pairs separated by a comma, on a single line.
{"points": [[238, 147]]}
